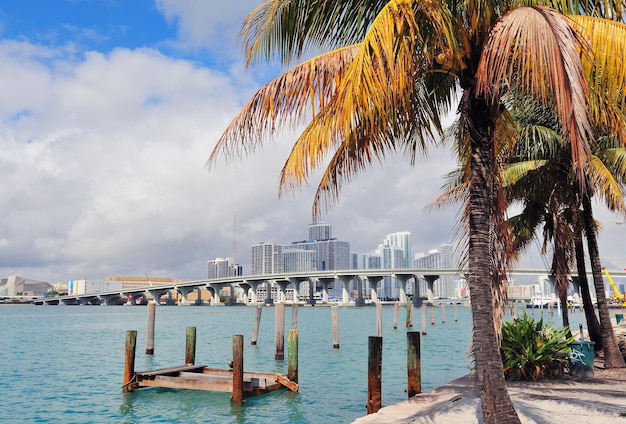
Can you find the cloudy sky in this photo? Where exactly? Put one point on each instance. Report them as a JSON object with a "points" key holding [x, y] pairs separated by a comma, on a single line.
{"points": [[109, 110]]}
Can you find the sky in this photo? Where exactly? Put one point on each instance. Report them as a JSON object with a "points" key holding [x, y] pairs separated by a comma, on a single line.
{"points": [[109, 110]]}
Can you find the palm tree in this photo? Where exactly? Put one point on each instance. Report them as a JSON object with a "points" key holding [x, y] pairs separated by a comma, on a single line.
{"points": [[396, 69]]}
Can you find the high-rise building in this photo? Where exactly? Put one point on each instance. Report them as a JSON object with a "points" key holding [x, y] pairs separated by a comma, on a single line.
{"points": [[320, 231], [267, 258], [440, 258], [394, 253], [299, 260], [330, 253], [222, 268]]}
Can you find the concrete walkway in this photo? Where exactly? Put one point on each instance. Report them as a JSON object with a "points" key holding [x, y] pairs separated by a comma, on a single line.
{"points": [[564, 401]]}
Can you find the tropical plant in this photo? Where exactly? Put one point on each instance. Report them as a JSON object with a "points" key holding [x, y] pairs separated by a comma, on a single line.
{"points": [[532, 350], [396, 69]]}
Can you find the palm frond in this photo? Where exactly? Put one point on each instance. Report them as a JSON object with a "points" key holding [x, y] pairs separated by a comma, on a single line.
{"points": [[284, 101], [533, 49], [287, 28]]}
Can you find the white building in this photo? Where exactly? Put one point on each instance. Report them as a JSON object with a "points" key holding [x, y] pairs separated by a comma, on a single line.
{"points": [[18, 286], [222, 268], [299, 260], [440, 258], [267, 258]]}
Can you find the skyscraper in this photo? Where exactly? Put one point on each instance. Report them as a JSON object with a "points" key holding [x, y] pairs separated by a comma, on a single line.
{"points": [[267, 258], [394, 253], [330, 253], [222, 268], [299, 260]]}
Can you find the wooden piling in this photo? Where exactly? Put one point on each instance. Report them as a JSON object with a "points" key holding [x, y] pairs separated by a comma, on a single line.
{"points": [[379, 319], [257, 322], [395, 315], [129, 361], [292, 358], [409, 314], [334, 311], [432, 315], [423, 308], [456, 312], [150, 330], [443, 312], [413, 364], [237, 394], [279, 331], [374, 373], [294, 316], [190, 346]]}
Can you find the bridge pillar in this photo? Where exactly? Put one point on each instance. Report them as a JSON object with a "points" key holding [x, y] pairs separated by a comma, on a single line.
{"points": [[184, 292], [251, 291], [402, 298], [282, 289], [297, 281], [430, 282], [215, 293], [325, 282], [156, 294], [110, 299], [374, 280], [345, 282]]}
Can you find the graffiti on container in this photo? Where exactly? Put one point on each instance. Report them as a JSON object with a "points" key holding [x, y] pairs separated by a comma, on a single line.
{"points": [[576, 356]]}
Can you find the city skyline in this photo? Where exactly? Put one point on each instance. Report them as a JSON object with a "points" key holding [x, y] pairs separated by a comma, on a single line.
{"points": [[104, 158]]}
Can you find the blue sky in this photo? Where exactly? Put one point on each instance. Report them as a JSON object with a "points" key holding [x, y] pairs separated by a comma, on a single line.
{"points": [[109, 111]]}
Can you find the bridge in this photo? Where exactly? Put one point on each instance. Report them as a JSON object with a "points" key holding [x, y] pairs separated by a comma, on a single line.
{"points": [[298, 280]]}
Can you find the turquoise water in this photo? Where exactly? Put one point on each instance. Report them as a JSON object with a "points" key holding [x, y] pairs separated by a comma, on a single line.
{"points": [[64, 364]]}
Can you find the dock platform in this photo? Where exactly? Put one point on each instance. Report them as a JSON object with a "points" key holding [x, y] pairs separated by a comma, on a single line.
{"points": [[202, 377]]}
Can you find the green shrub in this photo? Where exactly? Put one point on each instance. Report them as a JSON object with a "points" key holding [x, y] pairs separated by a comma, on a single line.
{"points": [[533, 351]]}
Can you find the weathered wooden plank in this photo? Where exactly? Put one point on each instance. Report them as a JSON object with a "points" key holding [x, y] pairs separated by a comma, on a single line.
{"points": [[287, 383], [171, 370]]}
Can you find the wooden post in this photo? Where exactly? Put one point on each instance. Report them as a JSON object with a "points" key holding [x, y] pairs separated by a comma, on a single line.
{"points": [[190, 346], [237, 395], [432, 315], [334, 311], [129, 361], [423, 308], [413, 364], [395, 315], [294, 316], [150, 331], [257, 322], [409, 314], [292, 359], [456, 312], [443, 312], [279, 331], [374, 373], [379, 319]]}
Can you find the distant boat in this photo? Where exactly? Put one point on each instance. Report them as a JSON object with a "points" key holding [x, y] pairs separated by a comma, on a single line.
{"points": [[538, 302]]}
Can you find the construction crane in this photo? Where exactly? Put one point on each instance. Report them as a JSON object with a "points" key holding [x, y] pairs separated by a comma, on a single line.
{"points": [[618, 296]]}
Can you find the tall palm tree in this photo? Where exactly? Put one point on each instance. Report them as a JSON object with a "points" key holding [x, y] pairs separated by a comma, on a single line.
{"points": [[395, 70]]}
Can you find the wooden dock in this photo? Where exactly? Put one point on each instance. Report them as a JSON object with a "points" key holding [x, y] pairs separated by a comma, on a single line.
{"points": [[202, 377], [241, 384]]}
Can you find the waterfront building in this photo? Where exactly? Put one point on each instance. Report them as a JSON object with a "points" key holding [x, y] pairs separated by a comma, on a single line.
{"points": [[267, 258], [439, 258], [19, 286]]}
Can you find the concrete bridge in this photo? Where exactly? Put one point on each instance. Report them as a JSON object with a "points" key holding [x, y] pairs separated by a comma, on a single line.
{"points": [[408, 278]]}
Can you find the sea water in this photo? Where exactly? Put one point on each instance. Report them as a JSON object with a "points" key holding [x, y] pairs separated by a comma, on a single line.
{"points": [[64, 364]]}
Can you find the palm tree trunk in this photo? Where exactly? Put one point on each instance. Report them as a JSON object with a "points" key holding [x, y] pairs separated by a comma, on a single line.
{"points": [[612, 355], [593, 326], [496, 402]]}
